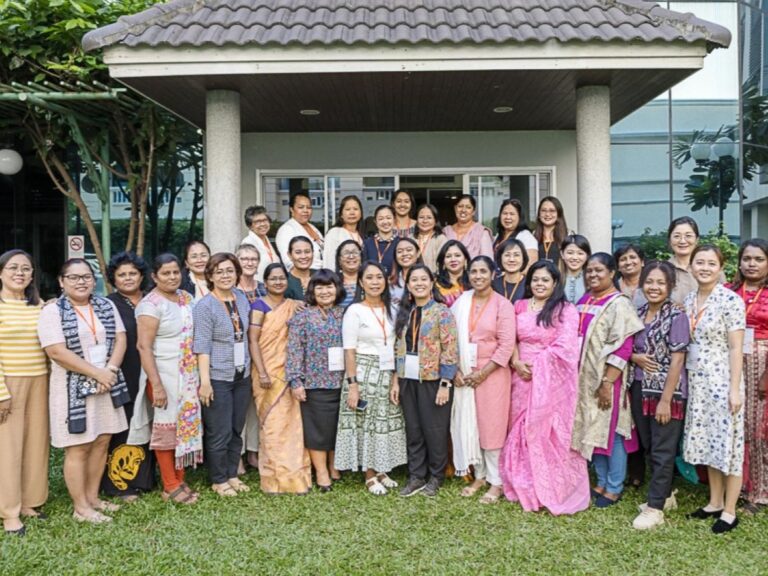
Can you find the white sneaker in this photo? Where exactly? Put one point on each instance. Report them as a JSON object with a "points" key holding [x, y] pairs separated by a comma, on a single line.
{"points": [[648, 518], [669, 504]]}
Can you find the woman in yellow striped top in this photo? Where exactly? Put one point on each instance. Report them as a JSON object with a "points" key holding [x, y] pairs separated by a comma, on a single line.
{"points": [[23, 395]]}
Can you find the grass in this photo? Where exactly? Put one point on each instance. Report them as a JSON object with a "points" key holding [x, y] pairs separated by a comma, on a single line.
{"points": [[351, 532]]}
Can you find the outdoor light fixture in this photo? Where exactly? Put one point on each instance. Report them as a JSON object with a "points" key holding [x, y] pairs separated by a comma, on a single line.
{"points": [[503, 109], [10, 162], [309, 112]]}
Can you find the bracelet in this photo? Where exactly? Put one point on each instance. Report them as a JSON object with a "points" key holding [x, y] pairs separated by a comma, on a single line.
{"points": [[351, 380]]}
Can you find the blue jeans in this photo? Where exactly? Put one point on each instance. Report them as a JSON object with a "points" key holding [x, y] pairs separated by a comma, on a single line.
{"points": [[612, 470]]}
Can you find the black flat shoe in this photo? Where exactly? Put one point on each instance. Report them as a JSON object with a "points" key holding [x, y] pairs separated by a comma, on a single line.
{"points": [[702, 514], [721, 526], [21, 532], [325, 489]]}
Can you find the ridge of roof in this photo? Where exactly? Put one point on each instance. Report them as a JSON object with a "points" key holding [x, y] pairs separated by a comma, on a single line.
{"points": [[311, 22]]}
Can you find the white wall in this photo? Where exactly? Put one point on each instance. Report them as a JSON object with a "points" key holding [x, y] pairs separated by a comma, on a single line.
{"points": [[338, 151]]}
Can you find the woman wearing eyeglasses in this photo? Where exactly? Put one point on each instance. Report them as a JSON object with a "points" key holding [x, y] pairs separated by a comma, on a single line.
{"points": [[84, 337], [221, 345], [23, 395]]}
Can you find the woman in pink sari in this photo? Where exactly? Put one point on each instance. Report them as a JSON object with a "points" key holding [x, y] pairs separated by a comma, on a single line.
{"points": [[538, 467], [475, 237]]}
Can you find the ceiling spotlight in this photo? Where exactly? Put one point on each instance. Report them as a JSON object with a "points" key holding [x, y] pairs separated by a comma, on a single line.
{"points": [[503, 109], [309, 112]]}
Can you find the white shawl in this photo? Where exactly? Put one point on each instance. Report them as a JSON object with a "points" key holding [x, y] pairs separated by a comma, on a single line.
{"points": [[464, 432]]}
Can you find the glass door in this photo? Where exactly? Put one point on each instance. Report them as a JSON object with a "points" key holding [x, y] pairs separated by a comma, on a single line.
{"points": [[492, 190]]}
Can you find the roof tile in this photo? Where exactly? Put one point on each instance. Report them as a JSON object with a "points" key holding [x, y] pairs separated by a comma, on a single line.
{"points": [[308, 22]]}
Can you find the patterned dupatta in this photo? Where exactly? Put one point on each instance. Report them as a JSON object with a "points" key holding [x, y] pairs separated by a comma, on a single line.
{"points": [[80, 386], [189, 422]]}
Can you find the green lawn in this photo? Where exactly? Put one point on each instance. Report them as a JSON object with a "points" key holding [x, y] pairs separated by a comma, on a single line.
{"points": [[351, 532]]}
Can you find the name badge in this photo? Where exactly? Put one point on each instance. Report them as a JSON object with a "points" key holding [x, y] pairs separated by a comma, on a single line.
{"points": [[239, 354], [336, 359], [749, 339], [692, 360], [98, 355], [472, 355], [412, 371], [386, 359]]}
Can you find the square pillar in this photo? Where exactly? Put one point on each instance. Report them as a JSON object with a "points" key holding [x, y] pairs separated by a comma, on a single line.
{"points": [[593, 165], [222, 221]]}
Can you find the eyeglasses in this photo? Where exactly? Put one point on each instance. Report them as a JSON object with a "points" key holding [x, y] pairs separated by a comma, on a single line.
{"points": [[351, 254], [248, 260], [26, 270], [260, 221], [225, 272], [275, 279], [678, 237], [77, 278]]}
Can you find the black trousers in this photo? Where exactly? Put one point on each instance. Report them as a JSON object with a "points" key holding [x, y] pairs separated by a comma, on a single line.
{"points": [[223, 423], [427, 428], [660, 445]]}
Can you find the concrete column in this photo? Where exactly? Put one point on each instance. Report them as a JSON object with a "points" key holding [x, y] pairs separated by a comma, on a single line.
{"points": [[593, 159], [223, 218]]}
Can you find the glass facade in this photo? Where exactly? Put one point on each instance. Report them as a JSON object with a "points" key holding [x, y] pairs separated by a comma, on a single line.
{"points": [[684, 153]]}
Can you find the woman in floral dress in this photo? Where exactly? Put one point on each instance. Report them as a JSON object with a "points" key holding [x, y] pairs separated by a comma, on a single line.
{"points": [[714, 425]]}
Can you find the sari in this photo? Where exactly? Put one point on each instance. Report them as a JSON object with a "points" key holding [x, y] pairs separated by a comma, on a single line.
{"points": [[284, 466]]}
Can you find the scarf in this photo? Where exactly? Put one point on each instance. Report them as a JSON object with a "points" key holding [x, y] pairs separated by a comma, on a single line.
{"points": [[189, 423], [464, 431], [80, 386], [658, 347]]}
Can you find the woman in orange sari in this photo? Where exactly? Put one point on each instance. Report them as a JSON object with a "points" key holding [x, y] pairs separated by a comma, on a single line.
{"points": [[284, 466]]}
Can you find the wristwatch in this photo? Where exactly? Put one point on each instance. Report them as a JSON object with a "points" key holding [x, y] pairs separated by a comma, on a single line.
{"points": [[445, 383]]}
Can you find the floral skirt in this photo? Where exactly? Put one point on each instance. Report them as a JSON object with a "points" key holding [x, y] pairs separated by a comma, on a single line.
{"points": [[373, 439]]}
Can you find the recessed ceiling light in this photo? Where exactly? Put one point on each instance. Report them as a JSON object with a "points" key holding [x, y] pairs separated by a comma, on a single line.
{"points": [[309, 112], [503, 109]]}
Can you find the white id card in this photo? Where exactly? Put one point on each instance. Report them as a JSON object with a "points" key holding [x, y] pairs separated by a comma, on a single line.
{"points": [[412, 367], [692, 360], [472, 355], [749, 338], [98, 355], [336, 359], [239, 354], [386, 359]]}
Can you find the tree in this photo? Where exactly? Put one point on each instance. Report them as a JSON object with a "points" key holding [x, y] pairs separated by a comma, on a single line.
{"points": [[116, 135]]}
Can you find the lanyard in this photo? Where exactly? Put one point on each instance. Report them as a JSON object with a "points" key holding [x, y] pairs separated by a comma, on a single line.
{"points": [[309, 229], [379, 252], [424, 245], [752, 301], [268, 246], [547, 245], [514, 289], [234, 316], [92, 324], [696, 316], [473, 320], [382, 322], [415, 330]]}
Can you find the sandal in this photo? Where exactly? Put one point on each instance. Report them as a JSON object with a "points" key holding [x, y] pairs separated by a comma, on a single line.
{"points": [[181, 495], [238, 485], [104, 506], [491, 497], [189, 490], [752, 508], [96, 518], [470, 490], [386, 481], [375, 487], [224, 489]]}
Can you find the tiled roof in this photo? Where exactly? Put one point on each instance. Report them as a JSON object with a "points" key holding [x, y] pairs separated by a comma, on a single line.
{"points": [[312, 22]]}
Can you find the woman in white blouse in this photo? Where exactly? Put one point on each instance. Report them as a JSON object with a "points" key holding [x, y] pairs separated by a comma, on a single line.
{"points": [[349, 226], [371, 433]]}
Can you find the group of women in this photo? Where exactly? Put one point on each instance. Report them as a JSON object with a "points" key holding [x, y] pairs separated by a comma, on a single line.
{"points": [[511, 361]]}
